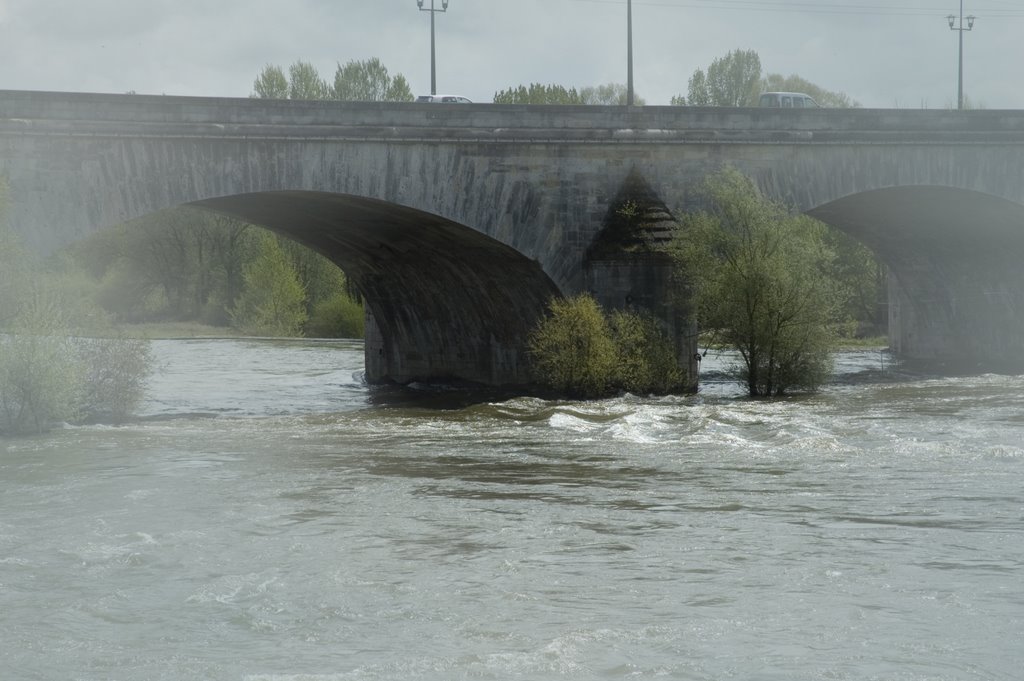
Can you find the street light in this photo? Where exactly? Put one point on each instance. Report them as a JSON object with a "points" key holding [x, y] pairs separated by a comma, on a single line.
{"points": [[960, 72], [629, 52], [433, 62]]}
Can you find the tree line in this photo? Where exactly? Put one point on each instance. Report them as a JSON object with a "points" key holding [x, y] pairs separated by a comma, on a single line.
{"points": [[186, 264], [735, 79], [355, 80]]}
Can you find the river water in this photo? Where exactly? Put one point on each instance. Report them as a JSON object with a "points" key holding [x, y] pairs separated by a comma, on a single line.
{"points": [[269, 517]]}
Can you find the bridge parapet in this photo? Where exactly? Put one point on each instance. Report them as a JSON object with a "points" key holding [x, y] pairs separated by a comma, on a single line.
{"points": [[29, 112]]}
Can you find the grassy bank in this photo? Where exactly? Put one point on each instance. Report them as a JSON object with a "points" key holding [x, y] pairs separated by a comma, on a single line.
{"points": [[171, 330]]}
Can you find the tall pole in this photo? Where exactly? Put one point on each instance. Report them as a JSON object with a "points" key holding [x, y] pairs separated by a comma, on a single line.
{"points": [[960, 63], [629, 52], [433, 54], [433, 59]]}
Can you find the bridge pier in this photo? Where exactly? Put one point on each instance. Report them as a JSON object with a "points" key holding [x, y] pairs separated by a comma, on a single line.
{"points": [[961, 321], [628, 268]]}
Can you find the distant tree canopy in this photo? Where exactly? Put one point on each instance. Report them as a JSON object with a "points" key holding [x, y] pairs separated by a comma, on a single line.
{"points": [[732, 80], [609, 93], [537, 93], [735, 80], [366, 81], [369, 81], [271, 83]]}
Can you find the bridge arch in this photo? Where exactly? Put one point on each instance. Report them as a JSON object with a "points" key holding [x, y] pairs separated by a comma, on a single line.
{"points": [[956, 284], [940, 200], [444, 301]]}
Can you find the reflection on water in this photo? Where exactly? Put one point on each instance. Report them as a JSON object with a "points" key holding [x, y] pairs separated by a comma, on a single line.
{"points": [[270, 517]]}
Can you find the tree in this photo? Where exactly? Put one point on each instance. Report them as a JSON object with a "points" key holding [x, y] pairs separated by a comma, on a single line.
{"points": [[333, 306], [536, 93], [305, 83], [609, 94], [369, 81], [698, 89], [760, 279], [273, 301], [271, 83], [732, 80], [775, 82]]}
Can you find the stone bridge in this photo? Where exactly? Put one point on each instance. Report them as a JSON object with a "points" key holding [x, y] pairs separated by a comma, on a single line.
{"points": [[458, 222]]}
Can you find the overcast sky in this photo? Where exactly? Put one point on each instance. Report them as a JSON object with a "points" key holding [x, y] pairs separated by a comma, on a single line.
{"points": [[883, 53]]}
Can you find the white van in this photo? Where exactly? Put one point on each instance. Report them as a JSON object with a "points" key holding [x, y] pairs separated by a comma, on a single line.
{"points": [[787, 100]]}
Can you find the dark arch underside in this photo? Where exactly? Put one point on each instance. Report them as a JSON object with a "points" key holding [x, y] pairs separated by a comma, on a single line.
{"points": [[445, 302]]}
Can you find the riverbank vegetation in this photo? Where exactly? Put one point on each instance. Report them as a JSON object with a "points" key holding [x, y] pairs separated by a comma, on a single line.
{"points": [[51, 368], [185, 265]]}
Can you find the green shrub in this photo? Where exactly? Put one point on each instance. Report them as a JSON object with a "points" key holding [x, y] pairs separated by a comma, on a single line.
{"points": [[336, 317], [572, 348], [579, 352], [116, 371], [646, 355], [41, 379], [47, 376]]}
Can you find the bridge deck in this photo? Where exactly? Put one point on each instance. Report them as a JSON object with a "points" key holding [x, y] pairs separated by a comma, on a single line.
{"points": [[54, 113]]}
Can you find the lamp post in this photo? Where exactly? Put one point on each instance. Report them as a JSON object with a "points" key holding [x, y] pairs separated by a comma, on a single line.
{"points": [[960, 71], [629, 52], [433, 61]]}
